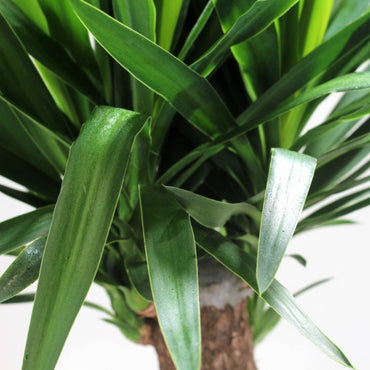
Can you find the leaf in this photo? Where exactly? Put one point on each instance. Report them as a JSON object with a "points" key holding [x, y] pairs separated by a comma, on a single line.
{"points": [[80, 225], [288, 183], [47, 51], [209, 212], [22, 196], [20, 230], [172, 265], [190, 94], [257, 18], [314, 21], [168, 13], [270, 318], [140, 15], [23, 271], [278, 297], [65, 27], [17, 70]]}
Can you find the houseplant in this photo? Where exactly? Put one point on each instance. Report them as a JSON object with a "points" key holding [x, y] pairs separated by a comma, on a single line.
{"points": [[193, 149]]}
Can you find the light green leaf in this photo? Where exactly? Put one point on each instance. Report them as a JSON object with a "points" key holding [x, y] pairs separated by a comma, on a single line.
{"points": [[288, 183], [278, 297], [24, 229], [172, 264], [314, 21], [23, 271], [212, 213], [80, 225]]}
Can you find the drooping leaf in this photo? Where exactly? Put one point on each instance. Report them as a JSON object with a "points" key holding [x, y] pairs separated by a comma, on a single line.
{"points": [[80, 225], [212, 213], [172, 265], [24, 229], [288, 183], [23, 271], [276, 296]]}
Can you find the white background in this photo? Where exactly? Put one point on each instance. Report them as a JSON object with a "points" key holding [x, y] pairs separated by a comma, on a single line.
{"points": [[340, 308]]}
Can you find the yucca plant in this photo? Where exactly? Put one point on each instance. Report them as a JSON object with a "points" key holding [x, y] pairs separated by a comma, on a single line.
{"points": [[164, 145]]}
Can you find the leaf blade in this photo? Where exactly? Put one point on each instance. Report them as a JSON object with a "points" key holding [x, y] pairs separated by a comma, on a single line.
{"points": [[288, 182], [173, 274], [79, 229]]}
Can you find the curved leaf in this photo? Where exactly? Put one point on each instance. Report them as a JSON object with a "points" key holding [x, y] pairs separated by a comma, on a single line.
{"points": [[172, 264], [23, 271], [80, 225], [24, 229], [212, 213]]}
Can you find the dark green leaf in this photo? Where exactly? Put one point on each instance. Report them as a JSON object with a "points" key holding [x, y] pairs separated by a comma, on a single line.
{"points": [[212, 213], [24, 229], [23, 271], [172, 264]]}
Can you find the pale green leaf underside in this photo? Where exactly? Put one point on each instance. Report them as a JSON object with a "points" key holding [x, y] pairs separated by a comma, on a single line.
{"points": [[289, 179]]}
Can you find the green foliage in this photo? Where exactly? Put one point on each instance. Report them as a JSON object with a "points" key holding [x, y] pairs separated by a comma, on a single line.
{"points": [[178, 131]]}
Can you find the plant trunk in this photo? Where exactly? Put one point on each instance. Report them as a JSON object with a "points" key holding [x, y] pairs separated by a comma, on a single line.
{"points": [[226, 335]]}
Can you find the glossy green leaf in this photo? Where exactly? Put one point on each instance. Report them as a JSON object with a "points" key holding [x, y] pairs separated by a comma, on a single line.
{"points": [[172, 265], [47, 51], [24, 229], [190, 94], [212, 213], [23, 271], [80, 225], [278, 297], [257, 18], [288, 183]]}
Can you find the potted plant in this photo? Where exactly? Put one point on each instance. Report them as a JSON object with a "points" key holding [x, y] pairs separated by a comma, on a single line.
{"points": [[164, 145]]}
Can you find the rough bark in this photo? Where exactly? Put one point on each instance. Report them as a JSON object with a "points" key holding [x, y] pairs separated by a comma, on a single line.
{"points": [[226, 335]]}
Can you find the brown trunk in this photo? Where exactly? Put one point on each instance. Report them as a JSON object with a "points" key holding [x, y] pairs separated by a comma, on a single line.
{"points": [[226, 335], [226, 339]]}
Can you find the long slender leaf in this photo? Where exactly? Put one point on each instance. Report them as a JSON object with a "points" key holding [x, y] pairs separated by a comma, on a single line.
{"points": [[16, 69], [278, 297], [79, 229], [288, 183], [171, 255], [139, 15], [24, 229], [23, 271], [191, 95], [47, 51], [212, 213], [256, 19]]}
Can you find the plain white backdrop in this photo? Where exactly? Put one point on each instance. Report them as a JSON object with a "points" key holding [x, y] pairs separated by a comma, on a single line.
{"points": [[340, 308]]}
